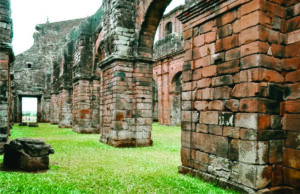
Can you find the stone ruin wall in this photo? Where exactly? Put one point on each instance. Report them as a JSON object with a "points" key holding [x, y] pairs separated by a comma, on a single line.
{"points": [[39, 64], [6, 58], [240, 119], [169, 59]]}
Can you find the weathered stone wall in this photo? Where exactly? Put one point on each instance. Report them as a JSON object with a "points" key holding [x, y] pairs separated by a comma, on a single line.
{"points": [[169, 59], [6, 58], [232, 89], [290, 108], [34, 69]]}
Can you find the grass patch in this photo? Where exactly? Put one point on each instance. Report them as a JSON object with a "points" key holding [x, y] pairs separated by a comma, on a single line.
{"points": [[83, 165]]}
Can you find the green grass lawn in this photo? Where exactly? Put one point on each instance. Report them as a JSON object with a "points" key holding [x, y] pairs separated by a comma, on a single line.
{"points": [[83, 165]]}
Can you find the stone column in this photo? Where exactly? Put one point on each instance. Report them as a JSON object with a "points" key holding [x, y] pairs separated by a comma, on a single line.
{"points": [[6, 58], [126, 100], [65, 102], [54, 109]]}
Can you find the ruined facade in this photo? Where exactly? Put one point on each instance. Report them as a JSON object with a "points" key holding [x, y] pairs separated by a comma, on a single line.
{"points": [[6, 58], [169, 59], [239, 90], [34, 69]]}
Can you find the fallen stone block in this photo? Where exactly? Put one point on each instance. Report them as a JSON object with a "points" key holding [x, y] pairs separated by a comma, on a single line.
{"points": [[27, 154]]}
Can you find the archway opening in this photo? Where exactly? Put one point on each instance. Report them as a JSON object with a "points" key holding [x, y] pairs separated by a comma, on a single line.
{"points": [[29, 109], [176, 100]]}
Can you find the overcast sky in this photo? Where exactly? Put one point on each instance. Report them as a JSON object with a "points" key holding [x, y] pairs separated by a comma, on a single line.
{"points": [[27, 14]]}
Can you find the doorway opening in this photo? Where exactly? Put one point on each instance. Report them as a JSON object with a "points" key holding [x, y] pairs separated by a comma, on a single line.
{"points": [[29, 109]]}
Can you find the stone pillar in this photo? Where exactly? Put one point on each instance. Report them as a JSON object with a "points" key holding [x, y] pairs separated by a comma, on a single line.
{"points": [[82, 112], [6, 58], [54, 109], [232, 90], [46, 108], [126, 103], [95, 105], [65, 112]]}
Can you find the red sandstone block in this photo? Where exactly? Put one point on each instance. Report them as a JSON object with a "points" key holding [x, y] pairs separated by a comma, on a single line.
{"points": [[233, 132], [222, 80], [199, 40], [187, 76], [229, 67], [204, 83], [258, 75], [213, 144], [202, 62], [253, 34], [259, 105], [187, 86], [274, 37], [254, 48], [226, 18], [291, 158], [188, 55], [187, 44], [278, 51], [293, 37], [209, 71], [275, 151], [293, 24], [202, 128], [216, 105], [233, 54], [185, 156], [293, 91], [291, 177], [210, 37], [232, 105], [259, 60], [197, 74], [252, 121], [293, 50], [209, 117], [204, 94], [225, 31], [222, 93], [207, 26], [291, 122], [215, 129], [292, 140], [291, 106], [200, 105], [236, 27], [207, 93], [277, 175], [246, 90], [264, 6], [186, 115], [250, 7], [291, 64], [202, 156], [293, 76], [208, 49], [187, 34], [227, 43], [254, 18]]}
